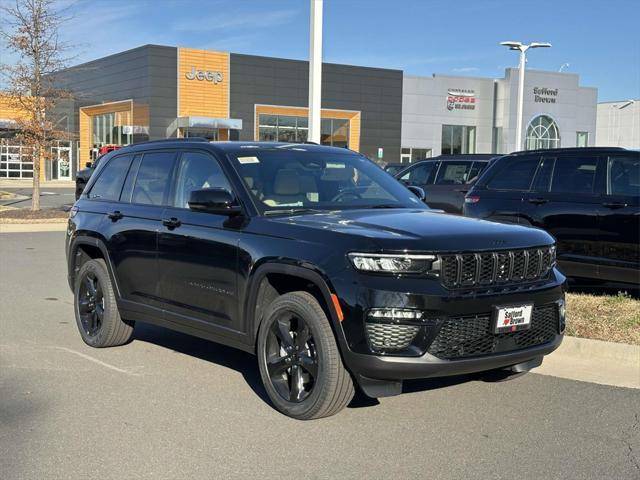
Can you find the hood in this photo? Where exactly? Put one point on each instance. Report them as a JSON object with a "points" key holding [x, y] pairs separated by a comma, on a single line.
{"points": [[400, 229]]}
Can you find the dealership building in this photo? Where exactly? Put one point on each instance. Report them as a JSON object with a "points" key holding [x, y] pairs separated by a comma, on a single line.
{"points": [[155, 92]]}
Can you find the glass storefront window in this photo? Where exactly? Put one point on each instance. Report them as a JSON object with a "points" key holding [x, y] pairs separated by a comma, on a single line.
{"points": [[410, 155], [582, 139], [288, 128], [111, 129], [458, 139]]}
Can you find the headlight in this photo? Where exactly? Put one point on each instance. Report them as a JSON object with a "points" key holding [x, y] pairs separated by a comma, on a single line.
{"points": [[391, 263]]}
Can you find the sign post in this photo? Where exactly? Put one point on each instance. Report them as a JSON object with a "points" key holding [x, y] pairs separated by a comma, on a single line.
{"points": [[315, 69]]}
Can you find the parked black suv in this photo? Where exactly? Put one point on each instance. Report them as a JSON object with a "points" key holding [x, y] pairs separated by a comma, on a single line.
{"points": [[314, 259], [587, 198], [445, 179], [83, 176]]}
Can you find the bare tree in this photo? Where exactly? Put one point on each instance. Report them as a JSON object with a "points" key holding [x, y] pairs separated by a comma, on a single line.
{"points": [[31, 31]]}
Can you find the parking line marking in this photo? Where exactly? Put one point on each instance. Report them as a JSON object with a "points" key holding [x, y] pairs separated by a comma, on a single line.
{"points": [[95, 360]]}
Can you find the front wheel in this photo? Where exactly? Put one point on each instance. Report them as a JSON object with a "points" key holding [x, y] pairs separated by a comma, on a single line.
{"points": [[299, 361]]}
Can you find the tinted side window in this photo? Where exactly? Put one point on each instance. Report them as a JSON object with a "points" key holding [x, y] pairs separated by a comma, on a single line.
{"points": [[517, 174], [542, 182], [624, 176], [453, 173], [109, 183], [197, 171], [476, 170], [125, 196], [419, 175], [152, 181], [574, 174]]}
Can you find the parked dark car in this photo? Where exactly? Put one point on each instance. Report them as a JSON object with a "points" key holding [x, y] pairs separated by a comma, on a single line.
{"points": [[393, 168], [82, 176], [445, 179], [587, 198], [313, 258]]}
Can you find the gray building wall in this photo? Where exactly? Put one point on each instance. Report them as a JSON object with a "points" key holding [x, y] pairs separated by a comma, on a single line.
{"points": [[618, 124], [147, 75], [375, 92]]}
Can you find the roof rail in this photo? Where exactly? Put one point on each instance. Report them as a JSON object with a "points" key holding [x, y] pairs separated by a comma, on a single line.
{"points": [[187, 139]]}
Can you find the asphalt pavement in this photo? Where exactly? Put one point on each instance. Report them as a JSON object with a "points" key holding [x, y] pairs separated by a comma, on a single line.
{"points": [[171, 406], [58, 197]]}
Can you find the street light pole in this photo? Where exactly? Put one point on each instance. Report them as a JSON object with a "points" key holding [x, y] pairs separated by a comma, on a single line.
{"points": [[523, 60], [315, 70]]}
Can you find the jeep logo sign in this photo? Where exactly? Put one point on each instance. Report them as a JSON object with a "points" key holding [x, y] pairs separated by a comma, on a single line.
{"points": [[202, 75]]}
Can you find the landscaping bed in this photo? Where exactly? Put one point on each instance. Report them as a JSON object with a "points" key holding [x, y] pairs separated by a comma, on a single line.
{"points": [[613, 318], [26, 215]]}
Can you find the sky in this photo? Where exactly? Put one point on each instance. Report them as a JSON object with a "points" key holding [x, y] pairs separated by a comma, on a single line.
{"points": [[599, 40]]}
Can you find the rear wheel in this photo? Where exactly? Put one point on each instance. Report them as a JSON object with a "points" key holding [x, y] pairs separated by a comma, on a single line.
{"points": [[299, 361], [96, 310]]}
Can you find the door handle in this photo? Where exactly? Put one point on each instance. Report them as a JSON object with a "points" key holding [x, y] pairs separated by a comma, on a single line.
{"points": [[171, 223], [115, 216], [614, 204], [538, 201]]}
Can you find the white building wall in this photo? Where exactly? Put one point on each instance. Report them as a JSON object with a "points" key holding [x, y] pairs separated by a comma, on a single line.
{"points": [[424, 109], [618, 124], [574, 109]]}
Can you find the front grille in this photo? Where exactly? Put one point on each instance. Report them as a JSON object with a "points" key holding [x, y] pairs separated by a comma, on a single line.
{"points": [[473, 335], [486, 269], [390, 336]]}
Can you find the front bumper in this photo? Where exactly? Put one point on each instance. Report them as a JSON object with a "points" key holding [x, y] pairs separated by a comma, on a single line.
{"points": [[426, 366], [417, 361]]}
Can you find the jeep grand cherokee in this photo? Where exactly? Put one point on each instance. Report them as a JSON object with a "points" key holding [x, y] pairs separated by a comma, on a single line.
{"points": [[313, 258]]}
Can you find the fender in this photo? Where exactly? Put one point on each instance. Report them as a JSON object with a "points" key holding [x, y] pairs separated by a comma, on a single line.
{"points": [[309, 273], [92, 241]]}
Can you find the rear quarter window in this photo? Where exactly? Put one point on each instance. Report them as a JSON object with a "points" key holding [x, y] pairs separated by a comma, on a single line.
{"points": [[624, 176], [109, 184]]}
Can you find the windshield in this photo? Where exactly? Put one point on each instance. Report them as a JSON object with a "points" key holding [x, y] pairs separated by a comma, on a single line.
{"points": [[289, 180]]}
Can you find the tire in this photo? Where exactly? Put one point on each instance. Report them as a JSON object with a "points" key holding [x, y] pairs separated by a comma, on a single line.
{"points": [[79, 188], [103, 327], [332, 387]]}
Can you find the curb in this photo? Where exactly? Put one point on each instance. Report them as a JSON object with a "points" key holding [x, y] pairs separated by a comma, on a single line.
{"points": [[594, 361], [32, 227]]}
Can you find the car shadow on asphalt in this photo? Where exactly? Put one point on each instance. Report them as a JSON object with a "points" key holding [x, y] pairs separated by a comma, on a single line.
{"points": [[245, 363], [242, 362]]}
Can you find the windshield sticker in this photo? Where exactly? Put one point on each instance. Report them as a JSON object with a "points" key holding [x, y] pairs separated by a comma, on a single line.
{"points": [[244, 160]]}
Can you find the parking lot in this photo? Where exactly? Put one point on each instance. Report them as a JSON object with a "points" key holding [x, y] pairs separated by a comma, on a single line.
{"points": [[168, 405], [58, 197]]}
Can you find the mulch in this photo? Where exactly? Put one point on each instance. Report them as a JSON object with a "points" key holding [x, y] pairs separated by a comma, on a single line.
{"points": [[26, 215]]}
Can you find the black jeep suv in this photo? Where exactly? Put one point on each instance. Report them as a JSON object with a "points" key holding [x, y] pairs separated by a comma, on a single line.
{"points": [[587, 198], [313, 258]]}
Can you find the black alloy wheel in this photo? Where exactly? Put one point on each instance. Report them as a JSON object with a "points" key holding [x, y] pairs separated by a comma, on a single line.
{"points": [[299, 361], [291, 356], [91, 304], [96, 309]]}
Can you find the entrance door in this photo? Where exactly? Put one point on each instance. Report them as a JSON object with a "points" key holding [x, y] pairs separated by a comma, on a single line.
{"points": [[64, 163], [60, 163]]}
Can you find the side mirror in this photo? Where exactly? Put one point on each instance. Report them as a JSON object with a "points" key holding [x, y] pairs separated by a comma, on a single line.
{"points": [[418, 192], [88, 164], [214, 200]]}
